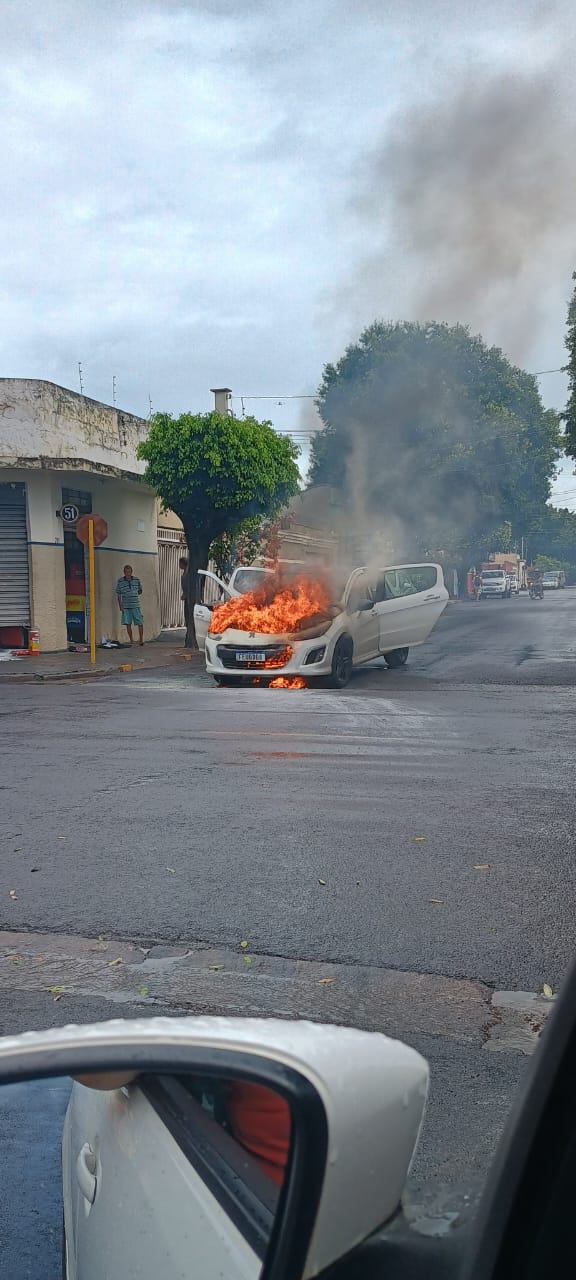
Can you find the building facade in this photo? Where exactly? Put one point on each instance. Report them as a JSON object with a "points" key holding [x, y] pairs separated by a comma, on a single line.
{"points": [[171, 549], [63, 455]]}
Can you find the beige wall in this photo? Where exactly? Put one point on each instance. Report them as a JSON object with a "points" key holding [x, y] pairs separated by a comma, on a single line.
{"points": [[48, 596], [109, 567], [130, 510], [167, 519]]}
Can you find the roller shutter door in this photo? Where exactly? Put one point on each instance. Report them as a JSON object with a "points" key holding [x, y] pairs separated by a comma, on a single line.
{"points": [[14, 582]]}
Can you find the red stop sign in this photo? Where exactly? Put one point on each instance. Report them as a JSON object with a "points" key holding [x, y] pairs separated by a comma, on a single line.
{"points": [[100, 529]]}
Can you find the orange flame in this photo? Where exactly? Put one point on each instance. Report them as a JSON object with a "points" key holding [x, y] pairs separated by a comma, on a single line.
{"points": [[279, 659], [288, 682], [274, 608]]}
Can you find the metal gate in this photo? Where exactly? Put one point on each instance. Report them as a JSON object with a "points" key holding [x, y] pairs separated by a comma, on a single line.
{"points": [[14, 577], [170, 549]]}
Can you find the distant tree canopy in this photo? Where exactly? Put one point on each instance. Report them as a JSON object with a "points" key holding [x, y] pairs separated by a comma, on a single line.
{"points": [[219, 474], [554, 537], [426, 425]]}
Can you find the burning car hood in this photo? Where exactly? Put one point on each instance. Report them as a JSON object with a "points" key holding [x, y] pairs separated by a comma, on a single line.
{"points": [[279, 611], [258, 639]]}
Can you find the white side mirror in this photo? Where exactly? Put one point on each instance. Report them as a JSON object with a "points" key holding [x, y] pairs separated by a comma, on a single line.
{"points": [[152, 1172]]}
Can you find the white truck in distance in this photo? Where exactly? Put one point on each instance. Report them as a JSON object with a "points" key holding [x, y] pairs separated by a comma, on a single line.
{"points": [[494, 585]]}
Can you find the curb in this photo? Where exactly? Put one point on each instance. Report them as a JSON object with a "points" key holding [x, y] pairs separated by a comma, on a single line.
{"points": [[38, 677]]}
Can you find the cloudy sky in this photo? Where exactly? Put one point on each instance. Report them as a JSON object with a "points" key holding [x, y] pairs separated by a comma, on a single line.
{"points": [[209, 192]]}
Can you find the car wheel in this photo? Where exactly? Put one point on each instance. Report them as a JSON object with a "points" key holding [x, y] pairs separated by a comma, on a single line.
{"points": [[232, 681], [397, 658], [341, 663]]}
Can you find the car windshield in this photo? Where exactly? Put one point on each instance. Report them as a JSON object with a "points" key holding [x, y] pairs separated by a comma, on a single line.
{"points": [[494, 573], [550, 577], [248, 579]]}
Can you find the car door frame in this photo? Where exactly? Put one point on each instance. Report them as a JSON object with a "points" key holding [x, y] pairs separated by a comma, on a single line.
{"points": [[202, 613], [364, 624], [199, 1159]]}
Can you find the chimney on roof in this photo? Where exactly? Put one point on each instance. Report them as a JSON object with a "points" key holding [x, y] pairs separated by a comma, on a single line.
{"points": [[222, 397]]}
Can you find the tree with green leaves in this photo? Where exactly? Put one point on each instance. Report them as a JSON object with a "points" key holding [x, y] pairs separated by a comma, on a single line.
{"points": [[554, 537], [430, 429], [569, 416], [217, 473]]}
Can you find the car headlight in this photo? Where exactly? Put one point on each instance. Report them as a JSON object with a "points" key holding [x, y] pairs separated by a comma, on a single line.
{"points": [[315, 655]]}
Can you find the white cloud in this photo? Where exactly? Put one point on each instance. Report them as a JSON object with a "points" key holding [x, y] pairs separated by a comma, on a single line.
{"points": [[177, 182]]}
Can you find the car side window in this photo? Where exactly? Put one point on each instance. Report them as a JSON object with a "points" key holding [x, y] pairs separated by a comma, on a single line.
{"points": [[194, 1114], [409, 581], [358, 592], [209, 592], [371, 588], [367, 587]]}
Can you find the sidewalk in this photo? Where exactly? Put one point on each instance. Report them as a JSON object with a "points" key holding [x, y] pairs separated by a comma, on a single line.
{"points": [[166, 651]]}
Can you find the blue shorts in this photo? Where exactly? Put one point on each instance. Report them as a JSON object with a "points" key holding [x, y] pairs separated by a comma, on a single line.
{"points": [[133, 615]]}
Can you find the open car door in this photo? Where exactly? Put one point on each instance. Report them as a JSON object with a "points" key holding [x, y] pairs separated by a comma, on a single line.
{"points": [[211, 590], [412, 600]]}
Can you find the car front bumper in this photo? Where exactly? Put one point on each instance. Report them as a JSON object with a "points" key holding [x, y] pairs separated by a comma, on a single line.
{"points": [[307, 658]]}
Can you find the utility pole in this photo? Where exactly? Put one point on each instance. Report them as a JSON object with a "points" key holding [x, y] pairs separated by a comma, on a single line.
{"points": [[80, 378]]}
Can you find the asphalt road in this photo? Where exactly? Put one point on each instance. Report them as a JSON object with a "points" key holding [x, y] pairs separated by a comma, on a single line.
{"points": [[169, 809], [420, 821]]}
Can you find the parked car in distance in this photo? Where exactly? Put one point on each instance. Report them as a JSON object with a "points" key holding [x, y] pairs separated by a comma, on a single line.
{"points": [[514, 585], [554, 580], [382, 613], [494, 585]]}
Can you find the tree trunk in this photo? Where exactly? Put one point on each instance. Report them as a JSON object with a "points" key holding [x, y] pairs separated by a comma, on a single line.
{"points": [[198, 552]]}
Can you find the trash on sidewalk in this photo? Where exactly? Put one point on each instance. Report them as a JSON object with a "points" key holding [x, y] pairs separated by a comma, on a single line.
{"points": [[9, 655]]}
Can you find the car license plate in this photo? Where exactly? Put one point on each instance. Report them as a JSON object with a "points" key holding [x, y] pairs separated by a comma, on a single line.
{"points": [[249, 655]]}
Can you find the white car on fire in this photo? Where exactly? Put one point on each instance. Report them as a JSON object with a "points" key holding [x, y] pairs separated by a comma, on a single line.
{"points": [[211, 590], [382, 613]]}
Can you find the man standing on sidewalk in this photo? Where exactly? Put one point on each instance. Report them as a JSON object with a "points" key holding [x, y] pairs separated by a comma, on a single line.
{"points": [[128, 591], [184, 583]]}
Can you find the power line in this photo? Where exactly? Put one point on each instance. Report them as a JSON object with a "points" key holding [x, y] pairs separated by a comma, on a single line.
{"points": [[278, 398], [539, 373]]}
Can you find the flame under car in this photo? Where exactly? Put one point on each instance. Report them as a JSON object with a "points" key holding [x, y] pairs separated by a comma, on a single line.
{"points": [[298, 632]]}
